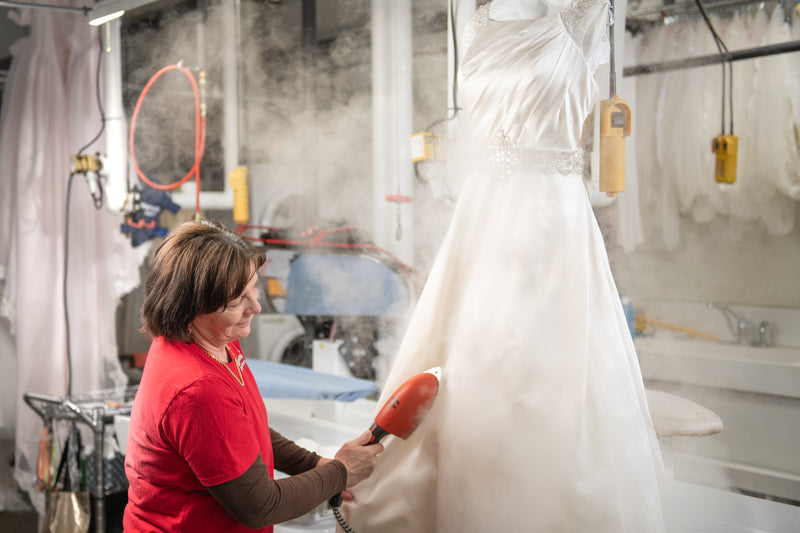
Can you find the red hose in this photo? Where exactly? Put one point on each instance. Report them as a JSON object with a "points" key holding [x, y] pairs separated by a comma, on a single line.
{"points": [[199, 136]]}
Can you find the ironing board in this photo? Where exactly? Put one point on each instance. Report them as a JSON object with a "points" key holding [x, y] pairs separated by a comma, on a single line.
{"points": [[277, 380]]}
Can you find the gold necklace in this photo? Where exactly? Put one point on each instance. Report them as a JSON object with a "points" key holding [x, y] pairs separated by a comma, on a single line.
{"points": [[240, 379]]}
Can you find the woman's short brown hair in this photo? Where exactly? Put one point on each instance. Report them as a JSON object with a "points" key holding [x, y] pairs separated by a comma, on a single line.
{"points": [[198, 269]]}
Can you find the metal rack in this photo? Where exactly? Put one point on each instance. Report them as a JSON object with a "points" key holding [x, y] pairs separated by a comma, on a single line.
{"points": [[96, 410], [736, 55], [651, 15], [656, 12]]}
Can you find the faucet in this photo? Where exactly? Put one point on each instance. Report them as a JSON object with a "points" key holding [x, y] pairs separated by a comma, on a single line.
{"points": [[737, 324], [763, 338]]}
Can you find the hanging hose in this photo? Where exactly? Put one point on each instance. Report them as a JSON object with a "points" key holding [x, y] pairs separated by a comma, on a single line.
{"points": [[199, 132]]}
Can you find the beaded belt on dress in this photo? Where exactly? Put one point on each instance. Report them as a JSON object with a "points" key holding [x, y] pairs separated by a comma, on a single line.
{"points": [[506, 159]]}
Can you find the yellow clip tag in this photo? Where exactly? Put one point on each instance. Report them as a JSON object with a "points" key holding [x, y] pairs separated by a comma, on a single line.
{"points": [[84, 163], [727, 149], [238, 181], [615, 125], [425, 145]]}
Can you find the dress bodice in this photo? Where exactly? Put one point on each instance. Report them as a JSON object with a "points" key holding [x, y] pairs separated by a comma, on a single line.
{"points": [[532, 82]]}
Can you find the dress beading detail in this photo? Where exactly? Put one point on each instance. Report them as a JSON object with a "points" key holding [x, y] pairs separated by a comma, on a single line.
{"points": [[573, 17], [478, 20], [506, 158]]}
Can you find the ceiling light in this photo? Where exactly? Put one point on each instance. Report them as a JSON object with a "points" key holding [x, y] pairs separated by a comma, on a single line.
{"points": [[106, 10], [98, 21]]}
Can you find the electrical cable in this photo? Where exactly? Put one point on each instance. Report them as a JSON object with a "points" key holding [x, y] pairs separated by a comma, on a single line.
{"points": [[723, 52], [64, 288], [98, 203], [342, 522], [97, 197], [99, 101], [199, 138]]}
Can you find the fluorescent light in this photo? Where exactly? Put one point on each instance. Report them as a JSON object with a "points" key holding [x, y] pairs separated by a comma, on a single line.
{"points": [[106, 10], [102, 20]]}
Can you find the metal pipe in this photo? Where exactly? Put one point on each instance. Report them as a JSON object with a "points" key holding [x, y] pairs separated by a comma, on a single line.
{"points": [[99, 427], [392, 111], [612, 63], [115, 164], [736, 55], [309, 22], [459, 13], [231, 142], [672, 10], [28, 5]]}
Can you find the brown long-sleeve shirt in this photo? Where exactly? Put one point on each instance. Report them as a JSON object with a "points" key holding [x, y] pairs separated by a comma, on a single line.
{"points": [[256, 500]]}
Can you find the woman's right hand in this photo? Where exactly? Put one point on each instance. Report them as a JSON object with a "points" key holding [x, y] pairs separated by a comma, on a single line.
{"points": [[358, 458]]}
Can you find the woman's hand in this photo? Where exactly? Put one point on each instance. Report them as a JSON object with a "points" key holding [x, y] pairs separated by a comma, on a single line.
{"points": [[359, 459]]}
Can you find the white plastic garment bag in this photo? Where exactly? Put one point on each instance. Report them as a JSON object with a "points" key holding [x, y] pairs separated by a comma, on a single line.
{"points": [[34, 166], [49, 111]]}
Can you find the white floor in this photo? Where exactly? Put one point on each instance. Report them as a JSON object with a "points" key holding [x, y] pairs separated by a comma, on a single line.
{"points": [[705, 510]]}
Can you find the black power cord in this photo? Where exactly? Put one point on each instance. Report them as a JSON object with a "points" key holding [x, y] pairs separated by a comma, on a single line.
{"points": [[99, 101], [723, 52], [64, 288], [340, 519], [97, 198]]}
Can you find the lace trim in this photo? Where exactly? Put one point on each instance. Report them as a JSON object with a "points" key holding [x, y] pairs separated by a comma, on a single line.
{"points": [[506, 159]]}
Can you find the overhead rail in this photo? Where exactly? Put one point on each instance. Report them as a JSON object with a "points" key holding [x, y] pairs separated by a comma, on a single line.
{"points": [[22, 5], [711, 59], [658, 13]]}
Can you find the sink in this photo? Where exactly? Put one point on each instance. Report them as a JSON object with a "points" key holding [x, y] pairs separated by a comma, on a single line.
{"points": [[782, 355], [769, 370]]}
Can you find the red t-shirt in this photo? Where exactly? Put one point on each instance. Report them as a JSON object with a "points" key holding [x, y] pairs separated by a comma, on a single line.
{"points": [[192, 425]]}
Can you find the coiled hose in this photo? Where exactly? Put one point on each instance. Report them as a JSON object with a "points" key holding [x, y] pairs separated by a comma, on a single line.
{"points": [[199, 134]]}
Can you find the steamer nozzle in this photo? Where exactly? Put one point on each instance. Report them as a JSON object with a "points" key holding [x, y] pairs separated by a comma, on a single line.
{"points": [[406, 408]]}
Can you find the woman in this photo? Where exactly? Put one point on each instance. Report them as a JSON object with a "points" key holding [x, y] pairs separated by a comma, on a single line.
{"points": [[200, 452]]}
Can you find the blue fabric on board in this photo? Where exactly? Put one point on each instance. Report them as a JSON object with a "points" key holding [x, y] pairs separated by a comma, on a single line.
{"points": [[276, 380]]}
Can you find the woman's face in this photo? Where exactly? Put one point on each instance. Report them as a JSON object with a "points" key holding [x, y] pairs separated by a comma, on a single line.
{"points": [[233, 322]]}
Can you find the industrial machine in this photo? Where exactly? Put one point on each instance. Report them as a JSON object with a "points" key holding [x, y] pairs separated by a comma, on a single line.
{"points": [[329, 289]]}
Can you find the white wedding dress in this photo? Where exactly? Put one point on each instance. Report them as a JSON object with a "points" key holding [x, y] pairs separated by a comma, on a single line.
{"points": [[541, 422]]}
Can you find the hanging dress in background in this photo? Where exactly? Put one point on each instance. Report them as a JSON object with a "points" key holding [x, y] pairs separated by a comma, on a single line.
{"points": [[679, 112], [541, 421]]}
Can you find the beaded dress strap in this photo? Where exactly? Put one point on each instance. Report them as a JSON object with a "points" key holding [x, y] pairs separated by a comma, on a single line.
{"points": [[478, 20], [576, 16]]}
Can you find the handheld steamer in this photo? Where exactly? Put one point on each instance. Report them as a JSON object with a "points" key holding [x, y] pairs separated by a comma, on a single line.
{"points": [[399, 416]]}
